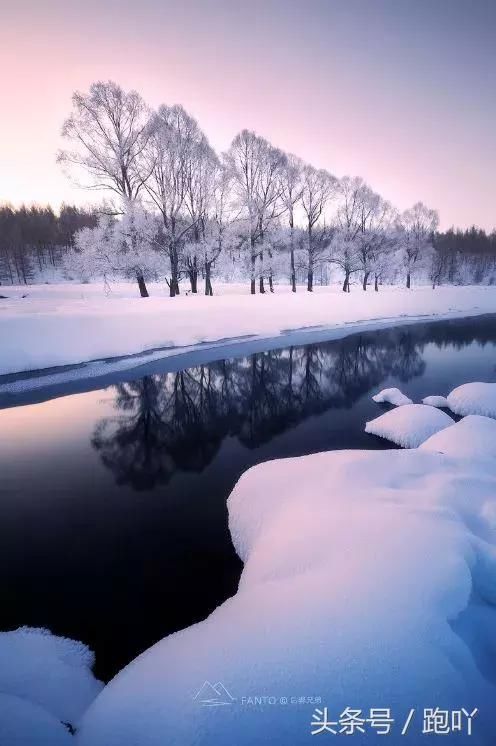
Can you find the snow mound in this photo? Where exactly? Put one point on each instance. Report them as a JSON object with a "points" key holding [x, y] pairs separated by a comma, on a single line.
{"points": [[392, 396], [51, 673], [368, 581], [410, 425], [24, 724], [472, 437], [436, 401], [474, 398]]}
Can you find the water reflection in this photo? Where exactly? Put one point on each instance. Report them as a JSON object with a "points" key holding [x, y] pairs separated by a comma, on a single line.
{"points": [[71, 514], [177, 421]]}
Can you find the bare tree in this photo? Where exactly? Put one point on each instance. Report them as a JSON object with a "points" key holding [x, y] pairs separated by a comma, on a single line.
{"points": [[318, 188], [255, 166], [291, 193], [375, 238], [416, 231], [169, 162], [201, 184], [109, 129]]}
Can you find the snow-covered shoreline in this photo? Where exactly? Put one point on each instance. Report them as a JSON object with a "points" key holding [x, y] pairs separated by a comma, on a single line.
{"points": [[322, 612], [61, 325]]}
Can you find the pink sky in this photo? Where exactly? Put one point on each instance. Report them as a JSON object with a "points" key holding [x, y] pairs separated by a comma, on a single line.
{"points": [[393, 95]]}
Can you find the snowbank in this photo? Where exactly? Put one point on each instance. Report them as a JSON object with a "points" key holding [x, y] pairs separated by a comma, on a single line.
{"points": [[409, 425], [368, 582], [45, 681], [68, 324], [436, 401], [392, 396], [472, 437], [23, 723], [474, 398]]}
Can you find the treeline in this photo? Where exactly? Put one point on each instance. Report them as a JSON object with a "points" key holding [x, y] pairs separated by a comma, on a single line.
{"points": [[465, 256], [177, 212], [37, 243], [35, 239]]}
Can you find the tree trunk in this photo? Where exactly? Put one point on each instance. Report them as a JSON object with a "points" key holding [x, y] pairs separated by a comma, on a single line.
{"points": [[408, 281], [193, 274], [365, 280], [293, 272], [208, 282], [292, 256], [253, 262], [376, 284], [174, 282], [193, 279], [346, 283], [271, 284], [310, 261], [261, 287], [142, 285]]}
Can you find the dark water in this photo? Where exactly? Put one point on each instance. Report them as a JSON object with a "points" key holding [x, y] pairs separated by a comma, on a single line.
{"points": [[113, 522]]}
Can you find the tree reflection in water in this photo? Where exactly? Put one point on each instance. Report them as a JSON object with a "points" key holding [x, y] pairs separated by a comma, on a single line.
{"points": [[177, 421]]}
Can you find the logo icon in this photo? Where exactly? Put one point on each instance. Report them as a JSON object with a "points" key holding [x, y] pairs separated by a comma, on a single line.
{"points": [[213, 695]]}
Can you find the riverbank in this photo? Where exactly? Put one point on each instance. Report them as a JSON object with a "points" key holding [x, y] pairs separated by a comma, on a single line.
{"points": [[59, 325]]}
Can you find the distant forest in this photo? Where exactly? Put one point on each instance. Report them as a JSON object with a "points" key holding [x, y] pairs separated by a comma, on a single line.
{"points": [[35, 240]]}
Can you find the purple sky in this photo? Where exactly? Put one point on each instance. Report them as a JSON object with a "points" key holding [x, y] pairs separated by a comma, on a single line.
{"points": [[401, 92]]}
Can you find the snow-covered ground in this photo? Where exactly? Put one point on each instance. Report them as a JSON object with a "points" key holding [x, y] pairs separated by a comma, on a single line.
{"points": [[45, 686], [63, 324], [369, 582]]}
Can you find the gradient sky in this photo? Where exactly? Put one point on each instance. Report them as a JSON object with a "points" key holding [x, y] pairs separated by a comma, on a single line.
{"points": [[401, 92]]}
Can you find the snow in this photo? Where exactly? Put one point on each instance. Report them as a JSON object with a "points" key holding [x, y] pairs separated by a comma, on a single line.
{"points": [[392, 396], [66, 324], [474, 398], [23, 723], [368, 581], [409, 425], [436, 401], [44, 681], [472, 437]]}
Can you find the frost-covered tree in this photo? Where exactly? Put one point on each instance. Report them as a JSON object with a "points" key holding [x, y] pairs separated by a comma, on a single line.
{"points": [[204, 178], [318, 188], [355, 203], [416, 229], [118, 246], [291, 192], [375, 240], [175, 154], [108, 130], [215, 232], [364, 232], [254, 167]]}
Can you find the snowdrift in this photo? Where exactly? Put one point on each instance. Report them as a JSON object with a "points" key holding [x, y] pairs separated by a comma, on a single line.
{"points": [[369, 581], [392, 396], [436, 401], [45, 681], [473, 437], [474, 398], [409, 425]]}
